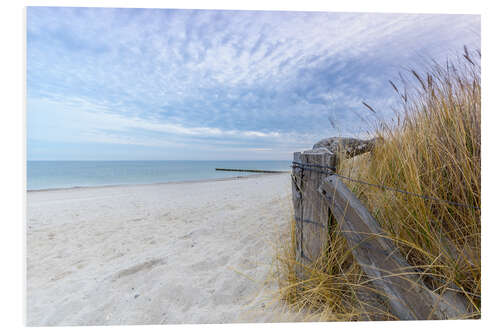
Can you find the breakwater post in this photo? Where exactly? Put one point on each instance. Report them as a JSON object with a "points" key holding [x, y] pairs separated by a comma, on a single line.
{"points": [[245, 170]]}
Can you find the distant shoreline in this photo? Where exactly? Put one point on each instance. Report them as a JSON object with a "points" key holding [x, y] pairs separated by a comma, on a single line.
{"points": [[206, 180]]}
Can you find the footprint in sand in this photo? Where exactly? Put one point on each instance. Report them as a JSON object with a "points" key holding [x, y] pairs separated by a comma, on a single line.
{"points": [[147, 265], [208, 264], [60, 276]]}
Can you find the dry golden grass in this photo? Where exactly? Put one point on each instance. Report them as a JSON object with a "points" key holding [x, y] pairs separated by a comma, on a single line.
{"points": [[336, 288], [433, 148]]}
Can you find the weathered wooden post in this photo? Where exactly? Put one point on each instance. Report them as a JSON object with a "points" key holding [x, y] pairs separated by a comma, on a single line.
{"points": [[310, 213], [310, 209]]}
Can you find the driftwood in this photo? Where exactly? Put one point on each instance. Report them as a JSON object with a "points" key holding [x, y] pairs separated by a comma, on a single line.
{"points": [[377, 255], [348, 146]]}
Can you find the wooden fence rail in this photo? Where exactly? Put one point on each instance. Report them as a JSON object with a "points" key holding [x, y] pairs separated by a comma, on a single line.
{"points": [[317, 195], [381, 261]]}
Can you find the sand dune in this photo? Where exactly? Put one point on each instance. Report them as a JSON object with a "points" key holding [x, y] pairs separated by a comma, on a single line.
{"points": [[167, 253]]}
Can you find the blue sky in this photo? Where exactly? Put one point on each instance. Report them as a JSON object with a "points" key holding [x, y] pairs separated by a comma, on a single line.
{"points": [[127, 84]]}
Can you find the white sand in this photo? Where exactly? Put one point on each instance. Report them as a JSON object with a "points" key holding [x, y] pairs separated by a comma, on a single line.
{"points": [[165, 253]]}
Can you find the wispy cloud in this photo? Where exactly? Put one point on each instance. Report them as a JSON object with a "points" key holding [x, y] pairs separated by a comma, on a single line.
{"points": [[159, 77]]}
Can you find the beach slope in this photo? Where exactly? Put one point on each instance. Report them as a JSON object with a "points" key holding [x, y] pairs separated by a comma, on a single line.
{"points": [[194, 252]]}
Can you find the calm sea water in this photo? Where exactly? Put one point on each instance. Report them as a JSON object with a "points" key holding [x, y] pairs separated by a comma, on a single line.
{"points": [[66, 174]]}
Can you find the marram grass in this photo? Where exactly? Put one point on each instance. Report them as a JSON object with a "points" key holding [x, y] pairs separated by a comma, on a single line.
{"points": [[433, 148]]}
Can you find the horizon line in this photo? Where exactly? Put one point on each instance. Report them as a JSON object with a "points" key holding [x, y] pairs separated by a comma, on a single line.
{"points": [[162, 160]]}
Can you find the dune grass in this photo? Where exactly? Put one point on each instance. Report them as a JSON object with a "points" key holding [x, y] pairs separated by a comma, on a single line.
{"points": [[432, 147]]}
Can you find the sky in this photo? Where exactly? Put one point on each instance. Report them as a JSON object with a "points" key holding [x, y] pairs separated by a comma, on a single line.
{"points": [[160, 84]]}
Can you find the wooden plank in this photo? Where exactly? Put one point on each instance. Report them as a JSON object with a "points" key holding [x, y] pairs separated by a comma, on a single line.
{"points": [[297, 197], [381, 261], [245, 170], [311, 213]]}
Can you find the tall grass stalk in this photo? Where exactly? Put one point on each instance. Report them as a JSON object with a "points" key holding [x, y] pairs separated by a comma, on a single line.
{"points": [[432, 148]]}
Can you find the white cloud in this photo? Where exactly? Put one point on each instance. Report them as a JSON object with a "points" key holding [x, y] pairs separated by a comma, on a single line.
{"points": [[77, 120], [152, 77]]}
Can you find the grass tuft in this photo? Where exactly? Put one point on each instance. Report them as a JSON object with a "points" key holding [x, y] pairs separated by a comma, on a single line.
{"points": [[433, 148]]}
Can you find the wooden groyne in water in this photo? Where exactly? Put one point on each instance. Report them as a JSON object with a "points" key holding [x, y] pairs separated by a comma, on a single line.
{"points": [[245, 170]]}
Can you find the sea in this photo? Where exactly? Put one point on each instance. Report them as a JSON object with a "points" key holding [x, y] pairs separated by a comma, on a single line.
{"points": [[68, 174]]}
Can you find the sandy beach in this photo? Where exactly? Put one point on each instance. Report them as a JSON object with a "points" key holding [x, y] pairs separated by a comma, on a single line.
{"points": [[194, 252]]}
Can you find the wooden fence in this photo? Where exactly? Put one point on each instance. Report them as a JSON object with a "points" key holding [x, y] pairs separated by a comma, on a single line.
{"points": [[320, 199]]}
